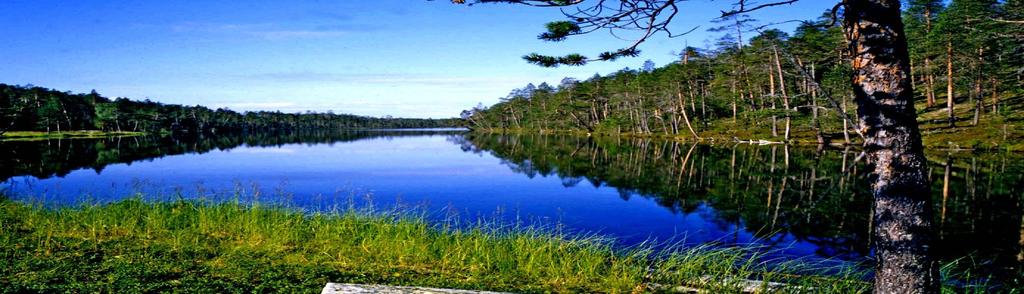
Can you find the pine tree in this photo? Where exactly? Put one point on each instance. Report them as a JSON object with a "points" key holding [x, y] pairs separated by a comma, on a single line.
{"points": [[968, 25], [1010, 28], [920, 17]]}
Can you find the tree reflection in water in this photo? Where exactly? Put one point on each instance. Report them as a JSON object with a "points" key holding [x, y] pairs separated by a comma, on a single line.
{"points": [[777, 193], [819, 196]]}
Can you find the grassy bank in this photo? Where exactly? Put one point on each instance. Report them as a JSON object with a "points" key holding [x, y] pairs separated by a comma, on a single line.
{"points": [[26, 135], [994, 134], [136, 246], [1002, 131]]}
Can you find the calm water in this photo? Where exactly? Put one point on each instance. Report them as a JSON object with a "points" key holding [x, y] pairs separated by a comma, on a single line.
{"points": [[805, 202]]}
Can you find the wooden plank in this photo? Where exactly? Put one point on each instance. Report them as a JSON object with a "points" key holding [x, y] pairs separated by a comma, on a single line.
{"points": [[337, 288]]}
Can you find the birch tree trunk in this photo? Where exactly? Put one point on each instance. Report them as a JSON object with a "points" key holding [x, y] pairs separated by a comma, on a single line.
{"points": [[782, 89], [771, 94], [686, 118], [902, 214]]}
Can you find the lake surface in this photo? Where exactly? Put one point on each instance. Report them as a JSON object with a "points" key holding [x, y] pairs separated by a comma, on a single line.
{"points": [[800, 201]]}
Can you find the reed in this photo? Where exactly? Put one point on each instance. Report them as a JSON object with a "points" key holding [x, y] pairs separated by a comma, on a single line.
{"points": [[140, 246]]}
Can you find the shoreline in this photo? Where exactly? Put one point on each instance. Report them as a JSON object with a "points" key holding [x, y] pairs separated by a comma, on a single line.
{"points": [[930, 142], [226, 247], [34, 135]]}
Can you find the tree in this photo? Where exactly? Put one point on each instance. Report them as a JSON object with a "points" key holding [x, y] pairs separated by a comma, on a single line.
{"points": [[904, 261], [648, 66], [11, 108], [884, 93], [30, 108], [967, 23], [48, 114], [920, 18], [1010, 28]]}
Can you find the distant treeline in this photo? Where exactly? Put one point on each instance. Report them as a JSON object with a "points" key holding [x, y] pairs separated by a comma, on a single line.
{"points": [[761, 83], [58, 157], [30, 108]]}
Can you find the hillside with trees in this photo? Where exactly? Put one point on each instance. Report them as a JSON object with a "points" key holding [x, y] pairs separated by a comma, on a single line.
{"points": [[31, 108], [967, 66]]}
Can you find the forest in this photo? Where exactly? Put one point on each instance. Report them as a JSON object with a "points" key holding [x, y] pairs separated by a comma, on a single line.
{"points": [[820, 196], [757, 83], [32, 108]]}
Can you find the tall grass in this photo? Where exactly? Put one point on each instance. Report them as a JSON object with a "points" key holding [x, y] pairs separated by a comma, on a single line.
{"points": [[139, 246]]}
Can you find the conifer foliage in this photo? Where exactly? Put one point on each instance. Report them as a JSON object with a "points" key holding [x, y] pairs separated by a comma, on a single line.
{"points": [[31, 108]]}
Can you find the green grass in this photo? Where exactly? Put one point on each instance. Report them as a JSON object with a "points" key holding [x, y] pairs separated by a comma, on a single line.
{"points": [[29, 135], [137, 246]]}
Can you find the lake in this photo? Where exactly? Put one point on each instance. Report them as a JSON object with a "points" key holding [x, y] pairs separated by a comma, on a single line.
{"points": [[799, 201]]}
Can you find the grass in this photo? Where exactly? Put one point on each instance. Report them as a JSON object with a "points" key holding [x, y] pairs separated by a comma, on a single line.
{"points": [[30, 135], [196, 246]]}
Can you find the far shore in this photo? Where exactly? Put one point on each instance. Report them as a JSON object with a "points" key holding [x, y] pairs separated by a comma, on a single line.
{"points": [[33, 135]]}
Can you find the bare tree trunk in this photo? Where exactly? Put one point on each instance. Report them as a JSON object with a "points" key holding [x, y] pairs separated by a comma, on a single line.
{"points": [[929, 83], [682, 109], [67, 117], [930, 76], [814, 111], [732, 87], [995, 96], [846, 123], [734, 109], [977, 103], [902, 216], [771, 94], [782, 89], [979, 97], [913, 72], [704, 107], [949, 83], [693, 97]]}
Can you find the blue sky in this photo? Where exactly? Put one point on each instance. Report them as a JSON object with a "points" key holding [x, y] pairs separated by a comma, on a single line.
{"points": [[408, 58]]}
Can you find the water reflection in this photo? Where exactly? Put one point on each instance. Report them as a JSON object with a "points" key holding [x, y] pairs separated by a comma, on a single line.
{"points": [[58, 157], [813, 201], [814, 195]]}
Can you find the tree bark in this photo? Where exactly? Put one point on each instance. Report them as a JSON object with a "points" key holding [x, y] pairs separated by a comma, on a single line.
{"points": [[995, 96], [930, 77], [771, 93], [929, 83], [782, 89], [814, 111], [949, 83], [686, 119], [977, 103], [978, 97], [902, 214], [846, 122]]}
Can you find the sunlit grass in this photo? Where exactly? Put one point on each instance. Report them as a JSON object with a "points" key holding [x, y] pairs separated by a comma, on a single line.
{"points": [[133, 245]]}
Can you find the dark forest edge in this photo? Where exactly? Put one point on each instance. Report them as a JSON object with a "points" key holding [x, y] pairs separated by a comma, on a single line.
{"points": [[31, 111], [967, 70], [50, 157]]}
